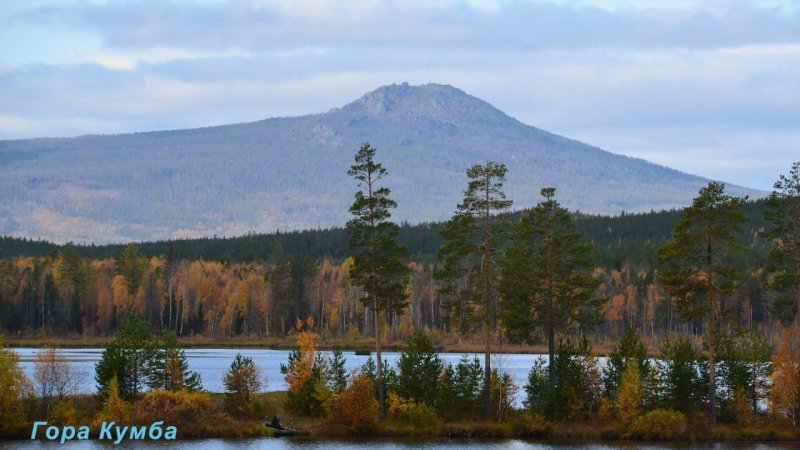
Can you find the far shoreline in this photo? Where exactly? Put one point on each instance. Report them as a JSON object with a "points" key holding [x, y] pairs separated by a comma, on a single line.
{"points": [[288, 343]]}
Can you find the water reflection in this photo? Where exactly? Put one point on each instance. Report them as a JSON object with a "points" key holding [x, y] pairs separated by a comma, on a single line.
{"points": [[392, 444]]}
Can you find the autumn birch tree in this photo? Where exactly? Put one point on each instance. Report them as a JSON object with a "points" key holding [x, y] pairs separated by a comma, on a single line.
{"points": [[474, 239], [697, 266], [378, 260]]}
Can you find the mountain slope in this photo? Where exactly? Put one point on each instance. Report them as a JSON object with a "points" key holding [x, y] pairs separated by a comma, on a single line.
{"points": [[290, 173]]}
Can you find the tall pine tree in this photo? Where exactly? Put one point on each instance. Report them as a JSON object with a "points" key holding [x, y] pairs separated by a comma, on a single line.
{"points": [[470, 272], [547, 283], [378, 260], [697, 265], [784, 262]]}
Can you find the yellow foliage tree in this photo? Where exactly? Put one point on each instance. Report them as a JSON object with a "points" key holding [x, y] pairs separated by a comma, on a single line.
{"points": [[299, 372], [629, 394], [785, 400], [115, 408], [14, 389]]}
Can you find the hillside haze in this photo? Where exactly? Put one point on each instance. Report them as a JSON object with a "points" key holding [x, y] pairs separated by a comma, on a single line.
{"points": [[290, 173]]}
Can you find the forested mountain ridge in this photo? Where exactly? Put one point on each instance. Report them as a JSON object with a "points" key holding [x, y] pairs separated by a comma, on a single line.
{"points": [[290, 173]]}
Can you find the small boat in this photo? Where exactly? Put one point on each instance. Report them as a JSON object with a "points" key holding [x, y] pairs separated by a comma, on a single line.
{"points": [[280, 431]]}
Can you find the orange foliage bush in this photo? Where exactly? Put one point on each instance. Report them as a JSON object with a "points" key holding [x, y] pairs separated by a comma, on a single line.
{"points": [[356, 406], [193, 413]]}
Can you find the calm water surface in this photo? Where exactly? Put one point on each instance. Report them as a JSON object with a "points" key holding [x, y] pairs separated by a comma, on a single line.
{"points": [[300, 444], [212, 363]]}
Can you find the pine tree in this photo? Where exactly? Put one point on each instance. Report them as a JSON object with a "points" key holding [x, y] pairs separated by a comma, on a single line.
{"points": [[337, 372], [242, 382], [784, 261], [474, 240], [697, 264], [128, 358], [744, 367], [133, 266], [419, 367], [682, 376], [629, 350], [169, 369], [547, 282], [378, 262]]}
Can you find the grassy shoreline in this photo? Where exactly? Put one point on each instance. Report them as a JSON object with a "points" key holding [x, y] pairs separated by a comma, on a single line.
{"points": [[522, 427], [519, 426]]}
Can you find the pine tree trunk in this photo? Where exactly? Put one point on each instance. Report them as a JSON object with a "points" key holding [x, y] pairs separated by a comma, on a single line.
{"points": [[487, 298], [488, 372], [379, 364], [712, 354]]}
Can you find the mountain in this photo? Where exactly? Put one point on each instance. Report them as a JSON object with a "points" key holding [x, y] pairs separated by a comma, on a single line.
{"points": [[290, 173]]}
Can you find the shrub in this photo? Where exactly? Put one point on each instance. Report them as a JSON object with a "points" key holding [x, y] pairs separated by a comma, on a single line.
{"points": [[531, 425], [356, 406], [180, 408], [659, 424], [606, 409], [64, 413], [193, 413], [414, 413]]}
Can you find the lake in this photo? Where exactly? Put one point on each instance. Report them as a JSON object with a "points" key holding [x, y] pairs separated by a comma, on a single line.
{"points": [[212, 363]]}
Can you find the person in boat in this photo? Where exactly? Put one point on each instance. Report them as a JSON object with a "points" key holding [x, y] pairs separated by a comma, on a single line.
{"points": [[276, 423]]}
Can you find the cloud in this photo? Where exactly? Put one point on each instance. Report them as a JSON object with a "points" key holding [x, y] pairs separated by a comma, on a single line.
{"points": [[687, 84], [519, 25]]}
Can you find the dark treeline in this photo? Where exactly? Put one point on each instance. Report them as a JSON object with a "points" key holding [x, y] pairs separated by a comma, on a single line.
{"points": [[627, 238]]}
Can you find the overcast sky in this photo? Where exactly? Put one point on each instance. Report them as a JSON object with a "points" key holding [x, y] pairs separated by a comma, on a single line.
{"points": [[708, 87]]}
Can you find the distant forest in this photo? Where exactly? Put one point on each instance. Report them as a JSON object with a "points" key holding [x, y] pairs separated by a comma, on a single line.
{"points": [[259, 284], [618, 240]]}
